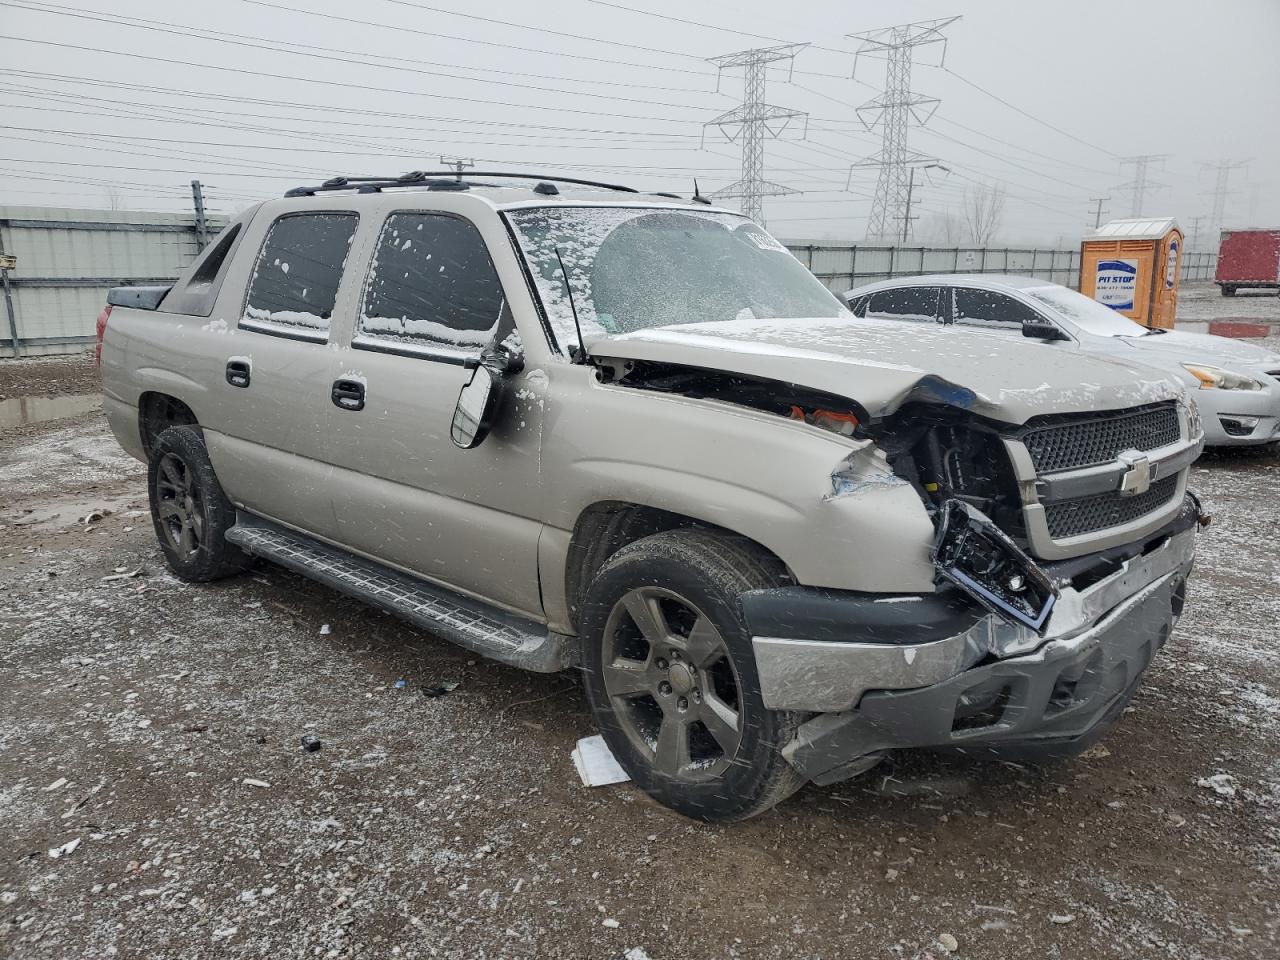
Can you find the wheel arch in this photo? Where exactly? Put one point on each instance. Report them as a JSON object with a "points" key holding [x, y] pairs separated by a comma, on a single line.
{"points": [[157, 412], [605, 527]]}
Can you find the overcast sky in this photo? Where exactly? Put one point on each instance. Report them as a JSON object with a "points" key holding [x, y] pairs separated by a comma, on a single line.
{"points": [[254, 96]]}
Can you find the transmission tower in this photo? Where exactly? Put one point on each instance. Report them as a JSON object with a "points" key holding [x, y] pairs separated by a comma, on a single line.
{"points": [[1097, 210], [1221, 179], [893, 111], [752, 123], [1195, 232], [1141, 184]]}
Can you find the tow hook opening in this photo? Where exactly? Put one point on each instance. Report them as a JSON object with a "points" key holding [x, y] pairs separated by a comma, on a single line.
{"points": [[974, 554]]}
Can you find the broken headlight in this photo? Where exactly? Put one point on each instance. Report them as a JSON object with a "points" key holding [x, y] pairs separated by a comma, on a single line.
{"points": [[974, 554]]}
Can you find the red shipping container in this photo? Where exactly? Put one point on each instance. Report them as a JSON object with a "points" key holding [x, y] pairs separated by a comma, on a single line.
{"points": [[1248, 258]]}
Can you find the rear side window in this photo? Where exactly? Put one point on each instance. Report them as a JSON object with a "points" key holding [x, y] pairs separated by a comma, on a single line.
{"points": [[905, 303], [431, 284], [295, 280], [989, 310]]}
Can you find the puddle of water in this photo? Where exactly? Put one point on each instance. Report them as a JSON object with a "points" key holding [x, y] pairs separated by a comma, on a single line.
{"points": [[69, 512], [19, 410]]}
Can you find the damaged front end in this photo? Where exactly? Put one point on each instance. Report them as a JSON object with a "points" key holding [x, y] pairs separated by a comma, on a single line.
{"points": [[976, 555]]}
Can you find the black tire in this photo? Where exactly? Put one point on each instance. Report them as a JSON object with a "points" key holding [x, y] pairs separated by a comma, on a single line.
{"points": [[693, 580], [1228, 291], [190, 512]]}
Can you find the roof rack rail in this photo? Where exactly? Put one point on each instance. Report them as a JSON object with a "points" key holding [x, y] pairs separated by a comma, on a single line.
{"points": [[447, 180]]}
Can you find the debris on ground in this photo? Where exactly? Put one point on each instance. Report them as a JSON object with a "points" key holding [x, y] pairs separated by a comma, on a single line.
{"points": [[948, 943], [440, 689], [1223, 784], [596, 764], [311, 744], [260, 784], [123, 573], [66, 848]]}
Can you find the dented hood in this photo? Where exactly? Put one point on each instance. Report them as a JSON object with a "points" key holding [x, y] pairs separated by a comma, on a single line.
{"points": [[883, 364]]}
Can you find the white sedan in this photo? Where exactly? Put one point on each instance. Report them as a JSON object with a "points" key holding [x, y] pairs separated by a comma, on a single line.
{"points": [[1236, 385]]}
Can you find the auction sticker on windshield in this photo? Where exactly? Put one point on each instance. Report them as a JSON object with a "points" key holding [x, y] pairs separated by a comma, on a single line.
{"points": [[1117, 281]]}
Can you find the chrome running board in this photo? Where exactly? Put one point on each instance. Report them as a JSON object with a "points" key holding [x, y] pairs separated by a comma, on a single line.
{"points": [[484, 629]]}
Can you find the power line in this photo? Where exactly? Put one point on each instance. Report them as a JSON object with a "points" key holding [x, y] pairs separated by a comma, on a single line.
{"points": [[708, 26], [257, 43], [1030, 116], [752, 123], [244, 71], [329, 108], [403, 28], [554, 33]]}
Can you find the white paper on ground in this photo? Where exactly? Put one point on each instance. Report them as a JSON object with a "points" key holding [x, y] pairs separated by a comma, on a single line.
{"points": [[595, 763]]}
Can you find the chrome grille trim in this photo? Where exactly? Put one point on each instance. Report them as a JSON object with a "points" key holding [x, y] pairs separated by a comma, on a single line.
{"points": [[1103, 521]]}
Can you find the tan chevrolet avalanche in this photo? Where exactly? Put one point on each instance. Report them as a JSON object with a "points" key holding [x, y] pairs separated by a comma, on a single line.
{"points": [[573, 426]]}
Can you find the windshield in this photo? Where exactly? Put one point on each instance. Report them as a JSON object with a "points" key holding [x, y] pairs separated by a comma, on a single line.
{"points": [[1089, 315], [639, 268]]}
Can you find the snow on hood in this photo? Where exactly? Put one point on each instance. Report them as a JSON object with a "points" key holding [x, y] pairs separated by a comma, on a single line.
{"points": [[1180, 347], [883, 364]]}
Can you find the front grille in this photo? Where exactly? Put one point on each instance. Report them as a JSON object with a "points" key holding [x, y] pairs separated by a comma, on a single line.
{"points": [[1074, 518], [1098, 439]]}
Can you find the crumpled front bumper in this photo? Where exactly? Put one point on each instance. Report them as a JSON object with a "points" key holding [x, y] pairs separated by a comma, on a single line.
{"points": [[990, 683]]}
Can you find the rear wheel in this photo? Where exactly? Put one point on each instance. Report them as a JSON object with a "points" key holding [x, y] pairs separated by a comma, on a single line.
{"points": [[672, 680], [1228, 291], [190, 512]]}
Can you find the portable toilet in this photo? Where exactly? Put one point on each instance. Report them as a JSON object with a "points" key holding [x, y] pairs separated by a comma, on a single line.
{"points": [[1133, 266]]}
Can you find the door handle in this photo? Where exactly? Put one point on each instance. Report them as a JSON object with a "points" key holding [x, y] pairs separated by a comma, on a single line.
{"points": [[238, 373], [348, 394]]}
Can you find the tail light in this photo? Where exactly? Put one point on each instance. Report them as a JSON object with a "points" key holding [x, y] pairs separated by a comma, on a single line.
{"points": [[103, 317]]}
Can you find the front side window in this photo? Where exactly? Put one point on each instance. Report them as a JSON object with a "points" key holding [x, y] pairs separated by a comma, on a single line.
{"points": [[431, 284], [295, 280], [905, 303], [637, 268], [989, 310]]}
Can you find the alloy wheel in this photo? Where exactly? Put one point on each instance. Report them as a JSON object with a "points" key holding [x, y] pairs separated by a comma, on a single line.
{"points": [[672, 684], [179, 507]]}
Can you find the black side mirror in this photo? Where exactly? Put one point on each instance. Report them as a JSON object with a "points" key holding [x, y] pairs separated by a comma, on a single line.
{"points": [[1042, 330], [479, 396]]}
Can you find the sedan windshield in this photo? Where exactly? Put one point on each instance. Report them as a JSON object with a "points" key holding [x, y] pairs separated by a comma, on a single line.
{"points": [[635, 268], [1089, 315]]}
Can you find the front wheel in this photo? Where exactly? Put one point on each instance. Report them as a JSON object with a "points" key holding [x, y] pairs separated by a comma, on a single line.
{"points": [[671, 676], [190, 512], [1228, 291]]}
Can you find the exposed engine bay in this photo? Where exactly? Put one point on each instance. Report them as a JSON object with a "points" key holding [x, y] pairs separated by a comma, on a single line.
{"points": [[943, 452]]}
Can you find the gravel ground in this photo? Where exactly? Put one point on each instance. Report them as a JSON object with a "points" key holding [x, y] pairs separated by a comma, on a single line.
{"points": [[1204, 301], [48, 376], [150, 729]]}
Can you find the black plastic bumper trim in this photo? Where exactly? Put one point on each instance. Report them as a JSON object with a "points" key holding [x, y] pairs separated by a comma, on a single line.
{"points": [[816, 613]]}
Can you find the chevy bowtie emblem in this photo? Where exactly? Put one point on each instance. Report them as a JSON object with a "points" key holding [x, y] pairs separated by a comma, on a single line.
{"points": [[1137, 478]]}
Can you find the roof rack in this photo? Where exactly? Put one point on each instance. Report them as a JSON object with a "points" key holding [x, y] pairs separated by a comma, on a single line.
{"points": [[438, 180]]}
